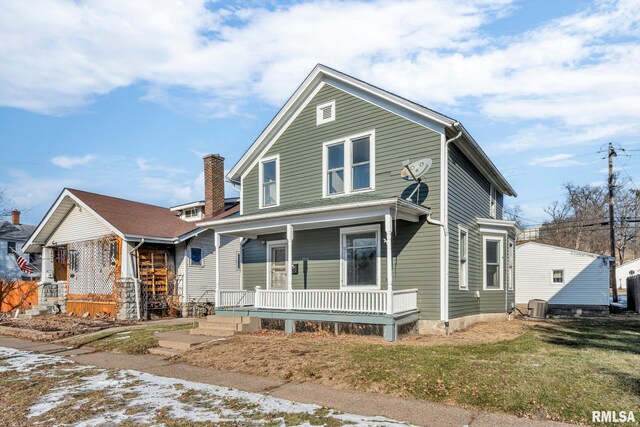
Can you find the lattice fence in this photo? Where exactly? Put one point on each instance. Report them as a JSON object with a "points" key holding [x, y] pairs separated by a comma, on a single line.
{"points": [[93, 267]]}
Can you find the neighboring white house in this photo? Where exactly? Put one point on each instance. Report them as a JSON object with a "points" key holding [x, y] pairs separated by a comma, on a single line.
{"points": [[12, 236], [567, 279], [629, 268]]}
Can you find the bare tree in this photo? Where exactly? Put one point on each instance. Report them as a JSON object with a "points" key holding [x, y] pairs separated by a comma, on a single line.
{"points": [[5, 211], [514, 213]]}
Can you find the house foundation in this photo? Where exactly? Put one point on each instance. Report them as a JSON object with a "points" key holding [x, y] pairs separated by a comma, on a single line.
{"points": [[438, 327]]}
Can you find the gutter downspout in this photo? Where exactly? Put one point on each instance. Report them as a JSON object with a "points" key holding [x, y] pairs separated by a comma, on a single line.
{"points": [[136, 280], [444, 225]]}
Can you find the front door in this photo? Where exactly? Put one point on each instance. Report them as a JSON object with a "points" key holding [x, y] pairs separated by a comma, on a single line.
{"points": [[278, 267]]}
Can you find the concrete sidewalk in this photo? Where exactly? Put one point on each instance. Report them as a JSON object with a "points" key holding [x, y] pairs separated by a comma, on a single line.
{"points": [[416, 412]]}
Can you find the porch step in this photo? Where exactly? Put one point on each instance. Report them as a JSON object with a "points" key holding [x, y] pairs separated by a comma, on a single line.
{"points": [[229, 319], [38, 310], [167, 352], [180, 340], [211, 332]]}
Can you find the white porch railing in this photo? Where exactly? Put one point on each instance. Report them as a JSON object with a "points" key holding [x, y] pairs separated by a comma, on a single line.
{"points": [[237, 298], [346, 301]]}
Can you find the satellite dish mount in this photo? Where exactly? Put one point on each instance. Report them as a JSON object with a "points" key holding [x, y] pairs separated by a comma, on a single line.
{"points": [[414, 171]]}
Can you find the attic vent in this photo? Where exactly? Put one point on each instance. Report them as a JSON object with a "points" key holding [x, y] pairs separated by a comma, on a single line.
{"points": [[326, 112]]}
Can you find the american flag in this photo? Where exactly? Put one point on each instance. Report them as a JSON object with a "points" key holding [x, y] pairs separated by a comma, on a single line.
{"points": [[23, 264]]}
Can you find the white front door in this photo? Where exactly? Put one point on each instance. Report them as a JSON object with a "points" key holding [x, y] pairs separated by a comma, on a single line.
{"points": [[277, 267]]}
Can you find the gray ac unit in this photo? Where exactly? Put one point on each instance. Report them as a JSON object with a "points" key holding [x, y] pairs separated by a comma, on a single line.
{"points": [[537, 308]]}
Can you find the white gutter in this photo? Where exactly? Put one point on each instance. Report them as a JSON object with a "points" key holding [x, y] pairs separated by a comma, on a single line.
{"points": [[330, 208]]}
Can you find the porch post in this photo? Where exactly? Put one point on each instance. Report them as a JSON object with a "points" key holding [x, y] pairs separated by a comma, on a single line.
{"points": [[289, 267], [388, 228], [216, 241]]}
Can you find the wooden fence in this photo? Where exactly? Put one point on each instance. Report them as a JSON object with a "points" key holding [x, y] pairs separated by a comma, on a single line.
{"points": [[633, 293], [17, 294]]}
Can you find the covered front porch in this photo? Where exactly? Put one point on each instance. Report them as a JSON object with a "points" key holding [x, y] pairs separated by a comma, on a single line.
{"points": [[329, 264]]}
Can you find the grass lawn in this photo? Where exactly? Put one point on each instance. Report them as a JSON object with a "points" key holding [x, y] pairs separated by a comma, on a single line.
{"points": [[135, 341], [559, 370]]}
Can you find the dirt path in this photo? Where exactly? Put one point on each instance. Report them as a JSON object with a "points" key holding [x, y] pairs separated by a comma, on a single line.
{"points": [[369, 405]]}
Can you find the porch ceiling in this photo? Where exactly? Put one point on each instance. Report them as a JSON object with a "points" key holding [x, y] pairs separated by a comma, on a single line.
{"points": [[251, 226]]}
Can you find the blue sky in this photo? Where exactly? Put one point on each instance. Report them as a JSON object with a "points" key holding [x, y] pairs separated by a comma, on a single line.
{"points": [[124, 98]]}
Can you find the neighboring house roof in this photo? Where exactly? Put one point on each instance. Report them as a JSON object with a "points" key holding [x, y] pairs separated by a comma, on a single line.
{"points": [[323, 73], [565, 249], [18, 232], [620, 266], [126, 218]]}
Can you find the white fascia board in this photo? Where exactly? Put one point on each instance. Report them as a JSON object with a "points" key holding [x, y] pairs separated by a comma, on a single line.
{"points": [[149, 239], [573, 251], [190, 234], [187, 206]]}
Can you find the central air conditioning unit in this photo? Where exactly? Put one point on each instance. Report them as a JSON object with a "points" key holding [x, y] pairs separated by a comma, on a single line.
{"points": [[537, 308]]}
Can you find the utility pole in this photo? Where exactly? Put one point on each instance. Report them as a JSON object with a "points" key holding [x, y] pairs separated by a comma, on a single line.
{"points": [[612, 234]]}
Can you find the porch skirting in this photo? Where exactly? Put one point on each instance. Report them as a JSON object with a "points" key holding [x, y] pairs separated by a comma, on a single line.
{"points": [[390, 322]]}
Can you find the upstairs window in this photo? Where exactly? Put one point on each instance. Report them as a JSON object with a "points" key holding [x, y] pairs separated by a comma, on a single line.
{"points": [[192, 213], [11, 247], [492, 201], [269, 182], [326, 112], [557, 277], [463, 255], [348, 165]]}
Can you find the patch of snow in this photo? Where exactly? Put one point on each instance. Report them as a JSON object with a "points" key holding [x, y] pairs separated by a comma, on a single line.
{"points": [[182, 399]]}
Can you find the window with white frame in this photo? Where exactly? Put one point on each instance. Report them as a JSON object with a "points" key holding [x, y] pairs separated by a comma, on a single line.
{"points": [[195, 256], [348, 165], [463, 261], [492, 263], [511, 273], [360, 253], [326, 112], [492, 202], [270, 182], [557, 277]]}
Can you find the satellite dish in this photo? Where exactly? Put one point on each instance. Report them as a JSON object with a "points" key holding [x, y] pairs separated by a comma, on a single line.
{"points": [[414, 171]]}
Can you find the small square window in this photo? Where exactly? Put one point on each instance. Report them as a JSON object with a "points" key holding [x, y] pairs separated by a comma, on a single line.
{"points": [[557, 277], [11, 247], [326, 112], [195, 255]]}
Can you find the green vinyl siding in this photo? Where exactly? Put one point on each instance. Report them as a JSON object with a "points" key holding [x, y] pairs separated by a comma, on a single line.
{"points": [[300, 150], [414, 266], [469, 200]]}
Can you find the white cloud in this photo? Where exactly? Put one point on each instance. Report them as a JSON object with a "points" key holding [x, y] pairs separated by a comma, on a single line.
{"points": [[581, 71], [555, 161], [68, 162]]}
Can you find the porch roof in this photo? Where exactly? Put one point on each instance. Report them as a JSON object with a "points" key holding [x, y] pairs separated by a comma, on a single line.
{"points": [[332, 215]]}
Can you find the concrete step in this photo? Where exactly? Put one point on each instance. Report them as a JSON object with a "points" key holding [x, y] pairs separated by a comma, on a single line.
{"points": [[211, 332], [180, 340], [36, 311], [228, 319], [167, 352], [217, 325]]}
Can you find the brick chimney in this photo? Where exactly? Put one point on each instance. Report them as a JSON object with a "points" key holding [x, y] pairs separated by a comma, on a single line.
{"points": [[15, 217], [213, 184]]}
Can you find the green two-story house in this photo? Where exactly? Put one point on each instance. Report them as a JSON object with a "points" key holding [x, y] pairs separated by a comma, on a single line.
{"points": [[360, 206]]}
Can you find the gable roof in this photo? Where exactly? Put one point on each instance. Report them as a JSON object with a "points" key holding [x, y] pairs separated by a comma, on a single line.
{"points": [[20, 232], [322, 73]]}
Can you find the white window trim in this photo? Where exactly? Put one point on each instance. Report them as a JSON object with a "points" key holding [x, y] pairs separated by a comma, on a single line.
{"points": [[563, 278], [493, 201], [271, 244], [191, 264], [348, 164], [486, 239], [319, 119], [511, 274], [264, 160], [463, 286], [343, 261]]}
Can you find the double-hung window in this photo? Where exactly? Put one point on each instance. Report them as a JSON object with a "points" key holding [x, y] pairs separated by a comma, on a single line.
{"points": [[270, 182], [360, 248], [557, 277], [492, 201], [493, 263], [463, 254], [348, 165]]}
